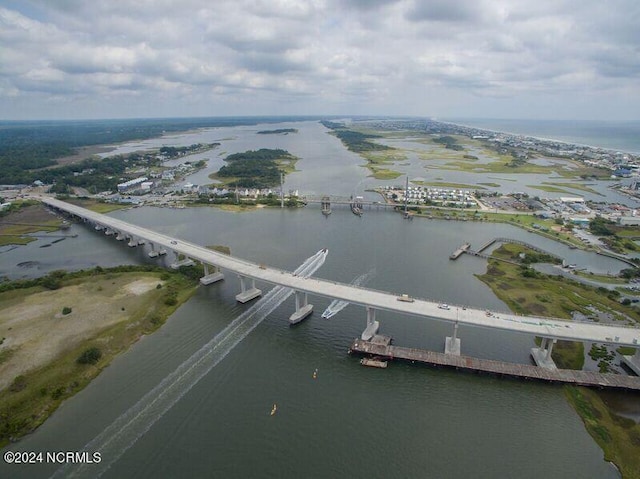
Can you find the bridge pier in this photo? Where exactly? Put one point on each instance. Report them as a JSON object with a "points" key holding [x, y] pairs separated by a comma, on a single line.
{"points": [[247, 294], [119, 236], [211, 277], [183, 262], [542, 355], [633, 361], [303, 308], [372, 325], [133, 242], [452, 343], [153, 253], [326, 205]]}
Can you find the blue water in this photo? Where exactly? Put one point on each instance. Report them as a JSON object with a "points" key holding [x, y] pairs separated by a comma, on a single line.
{"points": [[611, 135]]}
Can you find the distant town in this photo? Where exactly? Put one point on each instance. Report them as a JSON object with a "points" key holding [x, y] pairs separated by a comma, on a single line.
{"points": [[147, 180]]}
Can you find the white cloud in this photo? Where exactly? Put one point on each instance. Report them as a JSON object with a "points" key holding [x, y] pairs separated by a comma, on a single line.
{"points": [[325, 56]]}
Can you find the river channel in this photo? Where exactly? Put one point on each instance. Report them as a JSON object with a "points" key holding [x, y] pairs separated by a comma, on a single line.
{"points": [[405, 421]]}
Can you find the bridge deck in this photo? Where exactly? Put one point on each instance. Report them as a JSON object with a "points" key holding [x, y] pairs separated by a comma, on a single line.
{"points": [[524, 371], [379, 300]]}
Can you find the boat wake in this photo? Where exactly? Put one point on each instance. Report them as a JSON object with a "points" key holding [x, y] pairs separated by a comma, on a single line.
{"points": [[116, 439], [337, 305]]}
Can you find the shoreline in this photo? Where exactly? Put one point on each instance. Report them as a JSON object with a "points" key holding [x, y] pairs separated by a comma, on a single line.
{"points": [[539, 138], [32, 393]]}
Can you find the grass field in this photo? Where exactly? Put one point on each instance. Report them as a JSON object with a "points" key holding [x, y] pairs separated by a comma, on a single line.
{"points": [[30, 218], [97, 206], [43, 339], [619, 437], [557, 297]]}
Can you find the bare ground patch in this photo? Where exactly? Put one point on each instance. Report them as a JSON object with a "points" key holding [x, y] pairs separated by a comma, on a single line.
{"points": [[37, 331]]}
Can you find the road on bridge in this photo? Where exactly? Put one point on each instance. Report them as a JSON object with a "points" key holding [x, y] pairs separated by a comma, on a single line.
{"points": [[380, 300]]}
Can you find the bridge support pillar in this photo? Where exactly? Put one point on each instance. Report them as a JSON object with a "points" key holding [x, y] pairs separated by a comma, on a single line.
{"points": [[132, 242], [153, 253], [183, 262], [542, 355], [247, 294], [452, 343], [633, 361], [372, 325], [211, 276], [303, 308], [119, 236]]}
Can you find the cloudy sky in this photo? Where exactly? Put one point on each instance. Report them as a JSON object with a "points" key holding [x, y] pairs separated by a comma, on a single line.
{"points": [[567, 59]]}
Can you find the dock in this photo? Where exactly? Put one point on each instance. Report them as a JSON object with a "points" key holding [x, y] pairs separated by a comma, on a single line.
{"points": [[373, 363], [382, 350], [460, 251]]}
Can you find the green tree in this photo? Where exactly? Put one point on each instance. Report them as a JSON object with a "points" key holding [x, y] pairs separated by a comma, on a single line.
{"points": [[90, 356]]}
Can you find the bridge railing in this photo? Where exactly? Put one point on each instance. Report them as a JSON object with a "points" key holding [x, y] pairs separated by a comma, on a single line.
{"points": [[540, 319]]}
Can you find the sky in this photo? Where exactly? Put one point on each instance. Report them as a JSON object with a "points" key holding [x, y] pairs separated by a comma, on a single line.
{"points": [[524, 59]]}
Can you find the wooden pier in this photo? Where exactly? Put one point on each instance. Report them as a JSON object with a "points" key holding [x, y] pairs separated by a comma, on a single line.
{"points": [[462, 249], [383, 350]]}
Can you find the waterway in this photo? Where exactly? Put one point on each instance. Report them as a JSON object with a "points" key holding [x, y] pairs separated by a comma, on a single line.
{"points": [[405, 421]]}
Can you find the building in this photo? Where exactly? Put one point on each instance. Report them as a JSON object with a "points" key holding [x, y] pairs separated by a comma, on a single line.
{"points": [[131, 184]]}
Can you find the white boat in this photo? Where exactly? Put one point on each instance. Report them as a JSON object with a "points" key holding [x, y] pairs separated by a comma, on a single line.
{"points": [[337, 305], [334, 308]]}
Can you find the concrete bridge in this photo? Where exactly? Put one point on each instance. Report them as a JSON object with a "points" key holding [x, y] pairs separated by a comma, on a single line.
{"points": [[550, 330]]}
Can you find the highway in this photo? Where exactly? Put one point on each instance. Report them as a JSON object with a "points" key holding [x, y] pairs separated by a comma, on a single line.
{"points": [[379, 300]]}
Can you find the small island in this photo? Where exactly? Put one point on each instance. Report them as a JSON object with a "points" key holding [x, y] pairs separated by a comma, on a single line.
{"points": [[279, 131], [256, 168]]}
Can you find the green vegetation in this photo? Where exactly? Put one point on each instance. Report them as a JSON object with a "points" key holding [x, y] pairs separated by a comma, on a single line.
{"points": [[34, 395], [28, 147], [355, 141], [618, 238], [572, 186], [278, 131], [98, 206], [22, 218], [451, 143], [549, 188], [465, 158], [445, 184], [618, 437], [626, 350], [89, 356], [557, 296], [94, 174], [177, 151], [601, 226], [255, 169], [375, 153], [526, 291], [66, 310], [383, 173]]}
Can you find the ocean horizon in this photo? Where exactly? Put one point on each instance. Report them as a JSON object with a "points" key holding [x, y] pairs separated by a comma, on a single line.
{"points": [[611, 135]]}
